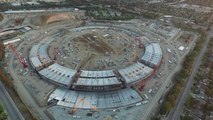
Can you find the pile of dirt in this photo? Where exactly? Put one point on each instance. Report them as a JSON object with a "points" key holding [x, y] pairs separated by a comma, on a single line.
{"points": [[47, 19]]}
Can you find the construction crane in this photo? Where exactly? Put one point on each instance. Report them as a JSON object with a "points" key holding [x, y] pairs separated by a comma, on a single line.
{"points": [[74, 109], [94, 108], [20, 57], [142, 85], [54, 55]]}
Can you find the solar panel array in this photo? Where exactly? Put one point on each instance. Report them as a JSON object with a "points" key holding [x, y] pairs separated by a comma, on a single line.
{"points": [[34, 59], [135, 72], [92, 100], [97, 74], [39, 56], [153, 55], [58, 74], [98, 81], [43, 55]]}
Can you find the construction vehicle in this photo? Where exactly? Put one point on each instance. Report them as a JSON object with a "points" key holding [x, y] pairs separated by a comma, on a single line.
{"points": [[20, 57]]}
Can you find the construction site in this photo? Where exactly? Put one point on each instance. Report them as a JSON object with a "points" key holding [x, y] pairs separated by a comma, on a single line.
{"points": [[65, 70]]}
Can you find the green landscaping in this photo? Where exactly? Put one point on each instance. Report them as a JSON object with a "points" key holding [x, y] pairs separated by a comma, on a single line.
{"points": [[204, 78], [108, 14], [3, 114], [1, 17]]}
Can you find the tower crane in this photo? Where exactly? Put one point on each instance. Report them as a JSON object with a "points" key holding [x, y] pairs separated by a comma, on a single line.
{"points": [[22, 60], [74, 108], [142, 85], [54, 55]]}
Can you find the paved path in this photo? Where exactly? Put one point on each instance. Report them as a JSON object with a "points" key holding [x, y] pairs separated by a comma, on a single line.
{"points": [[175, 114], [9, 105]]}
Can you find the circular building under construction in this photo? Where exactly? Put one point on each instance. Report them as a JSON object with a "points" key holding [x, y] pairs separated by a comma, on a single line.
{"points": [[96, 64]]}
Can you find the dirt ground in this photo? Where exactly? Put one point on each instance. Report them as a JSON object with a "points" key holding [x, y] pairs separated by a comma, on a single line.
{"points": [[207, 3]]}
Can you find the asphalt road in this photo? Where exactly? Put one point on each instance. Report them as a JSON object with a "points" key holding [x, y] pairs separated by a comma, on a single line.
{"points": [[177, 111], [9, 105]]}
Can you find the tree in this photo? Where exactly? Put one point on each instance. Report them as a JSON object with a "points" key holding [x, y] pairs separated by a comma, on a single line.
{"points": [[3, 115], [1, 51], [1, 108], [166, 107], [186, 117], [209, 92], [5, 78], [172, 99], [1, 17], [190, 101]]}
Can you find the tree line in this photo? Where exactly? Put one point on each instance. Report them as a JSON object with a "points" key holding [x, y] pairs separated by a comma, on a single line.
{"points": [[3, 114], [181, 77]]}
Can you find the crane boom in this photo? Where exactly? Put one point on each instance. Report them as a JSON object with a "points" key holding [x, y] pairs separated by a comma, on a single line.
{"points": [[22, 60], [74, 108], [54, 55]]}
